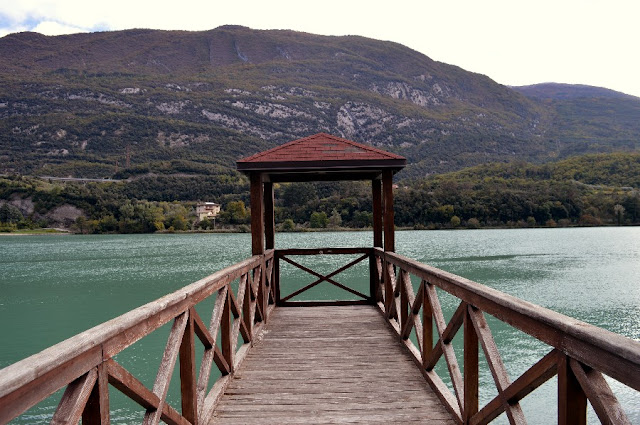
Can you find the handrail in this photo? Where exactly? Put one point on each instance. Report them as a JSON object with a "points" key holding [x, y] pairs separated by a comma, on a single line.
{"points": [[84, 363], [580, 352], [284, 254]]}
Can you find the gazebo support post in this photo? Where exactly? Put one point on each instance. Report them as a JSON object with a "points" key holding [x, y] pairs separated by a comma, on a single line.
{"points": [[389, 227], [376, 188], [269, 216], [257, 214]]}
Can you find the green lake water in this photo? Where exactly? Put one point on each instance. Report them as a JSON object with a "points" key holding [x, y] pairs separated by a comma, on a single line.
{"points": [[52, 287]]}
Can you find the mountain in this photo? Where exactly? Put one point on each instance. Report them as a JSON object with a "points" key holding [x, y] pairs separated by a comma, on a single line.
{"points": [[192, 103], [587, 118], [559, 91]]}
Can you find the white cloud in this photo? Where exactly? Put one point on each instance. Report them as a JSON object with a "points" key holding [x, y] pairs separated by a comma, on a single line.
{"points": [[56, 28]]}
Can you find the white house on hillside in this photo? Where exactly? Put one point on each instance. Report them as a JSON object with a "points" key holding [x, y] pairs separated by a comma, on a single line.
{"points": [[207, 210]]}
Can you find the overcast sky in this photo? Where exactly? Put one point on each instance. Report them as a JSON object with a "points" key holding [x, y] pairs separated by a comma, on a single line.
{"points": [[514, 42]]}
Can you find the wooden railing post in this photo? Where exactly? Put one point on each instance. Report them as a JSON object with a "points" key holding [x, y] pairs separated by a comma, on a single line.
{"points": [[276, 276], [471, 372], [427, 325], [96, 411], [572, 401], [188, 381], [404, 299], [264, 299], [374, 281], [225, 332]]}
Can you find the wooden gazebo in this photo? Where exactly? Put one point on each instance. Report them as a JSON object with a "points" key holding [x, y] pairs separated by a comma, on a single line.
{"points": [[321, 157]]}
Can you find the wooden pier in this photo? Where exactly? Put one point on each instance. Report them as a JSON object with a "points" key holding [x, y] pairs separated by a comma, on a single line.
{"points": [[333, 362], [329, 365], [370, 358]]}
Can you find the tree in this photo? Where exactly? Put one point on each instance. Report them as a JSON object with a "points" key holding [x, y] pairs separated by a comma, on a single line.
{"points": [[619, 212], [296, 194], [455, 221], [288, 225], [108, 223], [362, 218], [81, 224], [335, 220], [10, 214], [235, 213], [473, 223], [319, 220], [178, 222]]}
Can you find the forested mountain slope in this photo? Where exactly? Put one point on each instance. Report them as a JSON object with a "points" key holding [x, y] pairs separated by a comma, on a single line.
{"points": [[192, 103]]}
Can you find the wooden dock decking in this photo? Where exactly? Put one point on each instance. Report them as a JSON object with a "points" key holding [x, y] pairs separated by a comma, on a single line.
{"points": [[329, 365]]}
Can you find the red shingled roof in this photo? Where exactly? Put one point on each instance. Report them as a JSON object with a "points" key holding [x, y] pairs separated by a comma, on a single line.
{"points": [[321, 147]]}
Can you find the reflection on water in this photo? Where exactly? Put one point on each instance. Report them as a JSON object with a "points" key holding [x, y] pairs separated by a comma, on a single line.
{"points": [[52, 287]]}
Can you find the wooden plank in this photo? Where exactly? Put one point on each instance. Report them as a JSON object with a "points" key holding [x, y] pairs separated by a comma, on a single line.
{"points": [[404, 305], [414, 303], [572, 401], [323, 278], [337, 303], [239, 323], [74, 399], [602, 399], [427, 325], [263, 296], [28, 387], [188, 382], [276, 278], [321, 251], [225, 332], [130, 386], [536, 375], [97, 409], [333, 364], [167, 364], [212, 353], [496, 366], [270, 279], [444, 344], [374, 284], [389, 296], [201, 330], [471, 369], [213, 397], [247, 313]]}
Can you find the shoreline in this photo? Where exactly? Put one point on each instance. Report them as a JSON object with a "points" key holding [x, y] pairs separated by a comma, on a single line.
{"points": [[58, 232]]}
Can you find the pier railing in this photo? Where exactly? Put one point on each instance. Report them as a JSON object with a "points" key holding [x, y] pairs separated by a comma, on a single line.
{"points": [[579, 353], [243, 295]]}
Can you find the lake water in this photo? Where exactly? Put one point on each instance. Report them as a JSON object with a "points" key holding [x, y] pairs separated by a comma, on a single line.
{"points": [[52, 287]]}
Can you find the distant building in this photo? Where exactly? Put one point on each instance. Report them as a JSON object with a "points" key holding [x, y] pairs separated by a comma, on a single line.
{"points": [[207, 210]]}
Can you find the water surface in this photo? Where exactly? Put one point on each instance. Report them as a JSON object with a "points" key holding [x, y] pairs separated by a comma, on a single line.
{"points": [[52, 287]]}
